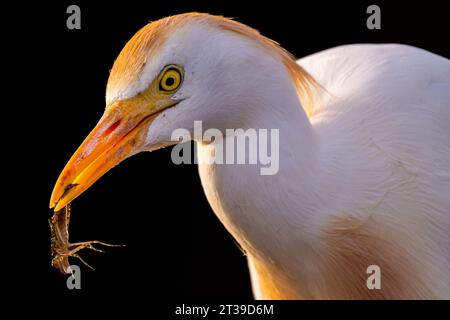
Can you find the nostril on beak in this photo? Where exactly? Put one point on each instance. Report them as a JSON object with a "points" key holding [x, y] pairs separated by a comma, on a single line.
{"points": [[111, 128]]}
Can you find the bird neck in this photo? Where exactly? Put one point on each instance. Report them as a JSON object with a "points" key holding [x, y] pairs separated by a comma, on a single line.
{"points": [[267, 214]]}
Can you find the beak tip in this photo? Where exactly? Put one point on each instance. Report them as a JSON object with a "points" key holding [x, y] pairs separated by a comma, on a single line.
{"points": [[58, 205], [53, 200]]}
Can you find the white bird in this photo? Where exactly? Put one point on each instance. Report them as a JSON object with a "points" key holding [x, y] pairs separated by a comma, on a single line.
{"points": [[364, 172]]}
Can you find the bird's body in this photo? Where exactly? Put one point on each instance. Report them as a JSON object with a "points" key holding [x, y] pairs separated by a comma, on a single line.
{"points": [[376, 190], [364, 153]]}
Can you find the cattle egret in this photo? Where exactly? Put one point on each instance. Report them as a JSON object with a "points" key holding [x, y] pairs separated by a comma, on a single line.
{"points": [[364, 153]]}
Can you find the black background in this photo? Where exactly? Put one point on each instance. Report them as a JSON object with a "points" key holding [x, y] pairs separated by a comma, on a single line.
{"points": [[176, 249]]}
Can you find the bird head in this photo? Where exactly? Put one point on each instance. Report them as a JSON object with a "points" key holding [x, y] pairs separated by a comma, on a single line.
{"points": [[172, 72]]}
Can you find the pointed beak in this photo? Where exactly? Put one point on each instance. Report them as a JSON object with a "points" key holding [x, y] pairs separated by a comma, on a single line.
{"points": [[120, 133]]}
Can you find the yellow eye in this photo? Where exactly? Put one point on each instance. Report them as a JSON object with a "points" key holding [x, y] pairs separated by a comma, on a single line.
{"points": [[170, 79]]}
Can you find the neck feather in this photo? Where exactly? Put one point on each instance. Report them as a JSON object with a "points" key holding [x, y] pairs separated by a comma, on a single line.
{"points": [[255, 207]]}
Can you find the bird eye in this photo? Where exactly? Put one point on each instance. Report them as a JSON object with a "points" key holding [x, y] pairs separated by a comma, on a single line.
{"points": [[171, 79]]}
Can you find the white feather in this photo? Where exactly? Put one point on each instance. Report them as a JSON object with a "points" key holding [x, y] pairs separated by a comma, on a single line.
{"points": [[378, 146]]}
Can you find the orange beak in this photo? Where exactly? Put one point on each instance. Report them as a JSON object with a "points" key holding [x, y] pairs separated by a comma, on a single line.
{"points": [[120, 133]]}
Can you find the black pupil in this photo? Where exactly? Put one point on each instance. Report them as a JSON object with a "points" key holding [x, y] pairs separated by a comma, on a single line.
{"points": [[170, 81]]}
